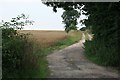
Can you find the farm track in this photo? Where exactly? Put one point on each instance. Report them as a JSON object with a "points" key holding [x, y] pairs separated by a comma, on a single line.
{"points": [[70, 62]]}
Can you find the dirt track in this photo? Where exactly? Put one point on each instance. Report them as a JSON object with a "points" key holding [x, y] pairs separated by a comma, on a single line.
{"points": [[71, 63]]}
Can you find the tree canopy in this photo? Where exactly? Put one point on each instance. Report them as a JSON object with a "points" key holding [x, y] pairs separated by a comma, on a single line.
{"points": [[70, 19]]}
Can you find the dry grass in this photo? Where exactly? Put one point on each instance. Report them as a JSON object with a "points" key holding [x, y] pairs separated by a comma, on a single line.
{"points": [[45, 37]]}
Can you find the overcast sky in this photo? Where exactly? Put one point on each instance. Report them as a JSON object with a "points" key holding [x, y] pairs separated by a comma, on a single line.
{"points": [[44, 17]]}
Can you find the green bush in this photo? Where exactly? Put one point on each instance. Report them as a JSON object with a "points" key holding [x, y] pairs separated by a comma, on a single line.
{"points": [[13, 48]]}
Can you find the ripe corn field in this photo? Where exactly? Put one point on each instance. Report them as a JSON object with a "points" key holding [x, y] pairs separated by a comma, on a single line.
{"points": [[46, 38]]}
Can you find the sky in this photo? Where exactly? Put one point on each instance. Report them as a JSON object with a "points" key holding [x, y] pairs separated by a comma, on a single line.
{"points": [[44, 18]]}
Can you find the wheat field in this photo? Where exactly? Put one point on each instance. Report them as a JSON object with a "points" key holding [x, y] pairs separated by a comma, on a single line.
{"points": [[45, 37]]}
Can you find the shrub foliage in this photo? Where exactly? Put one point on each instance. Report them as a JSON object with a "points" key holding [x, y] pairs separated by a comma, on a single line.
{"points": [[13, 46]]}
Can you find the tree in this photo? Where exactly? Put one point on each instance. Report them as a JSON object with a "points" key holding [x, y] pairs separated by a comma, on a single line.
{"points": [[70, 19]]}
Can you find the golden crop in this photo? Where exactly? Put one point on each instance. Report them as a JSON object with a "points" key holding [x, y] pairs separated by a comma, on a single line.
{"points": [[45, 37]]}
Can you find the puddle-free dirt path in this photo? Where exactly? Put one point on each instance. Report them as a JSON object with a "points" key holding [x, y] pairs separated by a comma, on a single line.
{"points": [[71, 63]]}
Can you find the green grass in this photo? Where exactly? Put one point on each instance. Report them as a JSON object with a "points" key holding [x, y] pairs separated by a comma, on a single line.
{"points": [[40, 68]]}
